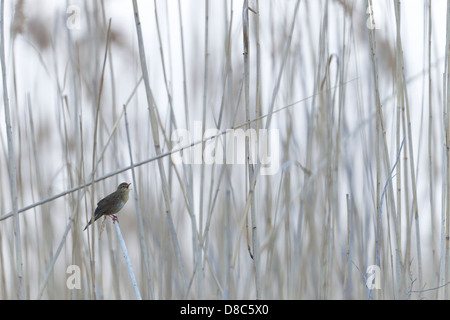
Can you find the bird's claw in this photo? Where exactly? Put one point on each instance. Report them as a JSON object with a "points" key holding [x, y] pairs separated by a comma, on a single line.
{"points": [[114, 218]]}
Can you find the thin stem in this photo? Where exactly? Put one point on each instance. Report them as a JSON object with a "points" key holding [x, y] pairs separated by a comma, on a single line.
{"points": [[11, 162], [127, 259], [154, 126], [144, 251]]}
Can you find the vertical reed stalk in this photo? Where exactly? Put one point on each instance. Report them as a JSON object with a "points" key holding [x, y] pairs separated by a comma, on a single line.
{"points": [[154, 126], [11, 163]]}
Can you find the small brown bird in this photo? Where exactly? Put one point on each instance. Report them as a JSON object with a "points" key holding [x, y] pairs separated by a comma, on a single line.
{"points": [[112, 203]]}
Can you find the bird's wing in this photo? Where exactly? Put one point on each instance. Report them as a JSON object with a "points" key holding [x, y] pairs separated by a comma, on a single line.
{"points": [[105, 199], [103, 206]]}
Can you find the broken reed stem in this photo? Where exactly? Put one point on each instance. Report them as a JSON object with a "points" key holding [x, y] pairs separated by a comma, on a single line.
{"points": [[155, 158]]}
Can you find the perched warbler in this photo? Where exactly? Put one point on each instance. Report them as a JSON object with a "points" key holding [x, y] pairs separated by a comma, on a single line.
{"points": [[112, 203]]}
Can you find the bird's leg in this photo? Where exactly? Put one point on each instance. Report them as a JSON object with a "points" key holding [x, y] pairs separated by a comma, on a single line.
{"points": [[114, 218]]}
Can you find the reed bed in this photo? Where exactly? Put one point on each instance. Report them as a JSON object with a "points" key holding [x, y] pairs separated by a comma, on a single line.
{"points": [[355, 92]]}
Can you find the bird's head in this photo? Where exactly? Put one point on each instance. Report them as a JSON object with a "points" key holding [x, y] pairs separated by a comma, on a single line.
{"points": [[124, 186]]}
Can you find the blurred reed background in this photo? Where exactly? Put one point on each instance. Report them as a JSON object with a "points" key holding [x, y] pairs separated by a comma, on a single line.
{"points": [[358, 91]]}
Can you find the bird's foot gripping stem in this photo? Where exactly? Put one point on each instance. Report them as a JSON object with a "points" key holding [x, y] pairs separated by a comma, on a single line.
{"points": [[114, 218]]}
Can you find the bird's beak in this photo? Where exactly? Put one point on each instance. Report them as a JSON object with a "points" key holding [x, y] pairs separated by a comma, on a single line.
{"points": [[128, 187]]}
